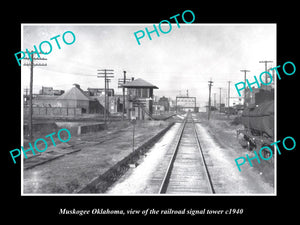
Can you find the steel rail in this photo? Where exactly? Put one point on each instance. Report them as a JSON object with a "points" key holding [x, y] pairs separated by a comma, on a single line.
{"points": [[203, 159], [164, 185], [165, 182]]}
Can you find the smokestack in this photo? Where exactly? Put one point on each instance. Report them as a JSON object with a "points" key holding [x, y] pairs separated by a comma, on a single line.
{"points": [[77, 85]]}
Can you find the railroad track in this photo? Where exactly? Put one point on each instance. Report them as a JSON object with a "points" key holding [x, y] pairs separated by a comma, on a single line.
{"points": [[187, 171]]}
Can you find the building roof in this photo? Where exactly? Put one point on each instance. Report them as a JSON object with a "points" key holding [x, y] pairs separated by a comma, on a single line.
{"points": [[139, 83], [75, 93]]}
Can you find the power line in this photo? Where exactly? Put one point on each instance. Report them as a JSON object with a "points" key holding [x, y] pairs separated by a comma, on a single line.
{"points": [[70, 73]]}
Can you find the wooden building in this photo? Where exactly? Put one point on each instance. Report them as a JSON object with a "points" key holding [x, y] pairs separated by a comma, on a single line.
{"points": [[76, 98], [140, 98]]}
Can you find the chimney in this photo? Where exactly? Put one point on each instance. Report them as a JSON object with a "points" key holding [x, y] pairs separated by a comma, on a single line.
{"points": [[77, 85]]}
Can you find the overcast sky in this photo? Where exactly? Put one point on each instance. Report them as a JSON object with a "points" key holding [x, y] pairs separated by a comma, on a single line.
{"points": [[186, 58]]}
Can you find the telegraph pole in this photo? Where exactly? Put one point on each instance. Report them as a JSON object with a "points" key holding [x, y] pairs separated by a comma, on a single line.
{"points": [[26, 95], [124, 81], [215, 103], [105, 73], [245, 71], [266, 69], [209, 86], [121, 82], [228, 100], [32, 64], [108, 105], [220, 98]]}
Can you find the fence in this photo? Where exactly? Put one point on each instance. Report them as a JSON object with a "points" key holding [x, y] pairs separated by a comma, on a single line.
{"points": [[54, 111]]}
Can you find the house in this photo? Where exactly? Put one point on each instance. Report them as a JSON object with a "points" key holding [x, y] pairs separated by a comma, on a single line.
{"points": [[140, 98], [76, 98]]}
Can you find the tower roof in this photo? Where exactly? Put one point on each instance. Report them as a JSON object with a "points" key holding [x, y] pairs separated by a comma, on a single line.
{"points": [[139, 83]]}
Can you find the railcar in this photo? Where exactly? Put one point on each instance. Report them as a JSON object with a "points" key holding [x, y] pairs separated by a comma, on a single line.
{"points": [[258, 121]]}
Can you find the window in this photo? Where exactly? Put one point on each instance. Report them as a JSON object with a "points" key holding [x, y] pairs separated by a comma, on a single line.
{"points": [[139, 92], [145, 93]]}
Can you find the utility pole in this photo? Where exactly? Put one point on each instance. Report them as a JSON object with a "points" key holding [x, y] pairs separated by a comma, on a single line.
{"points": [[245, 71], [273, 75], [121, 82], [266, 69], [32, 64], [26, 96], [220, 98], [105, 73], [108, 105], [209, 86], [124, 81], [215, 103], [228, 100]]}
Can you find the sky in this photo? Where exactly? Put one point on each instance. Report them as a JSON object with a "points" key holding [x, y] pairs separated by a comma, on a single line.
{"points": [[186, 58]]}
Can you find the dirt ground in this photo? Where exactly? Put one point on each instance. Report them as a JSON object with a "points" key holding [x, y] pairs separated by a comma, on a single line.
{"points": [[220, 148], [221, 128], [98, 152]]}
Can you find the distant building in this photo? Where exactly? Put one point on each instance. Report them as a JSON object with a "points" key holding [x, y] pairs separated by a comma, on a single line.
{"points": [[172, 105], [100, 91], [163, 101], [157, 108], [76, 98], [140, 98], [50, 91], [114, 103], [45, 101], [58, 92], [46, 91]]}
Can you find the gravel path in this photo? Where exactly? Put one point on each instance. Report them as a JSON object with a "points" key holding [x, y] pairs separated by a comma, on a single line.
{"points": [[225, 175]]}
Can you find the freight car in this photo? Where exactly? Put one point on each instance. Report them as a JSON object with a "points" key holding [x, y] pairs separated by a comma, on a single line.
{"points": [[258, 121]]}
